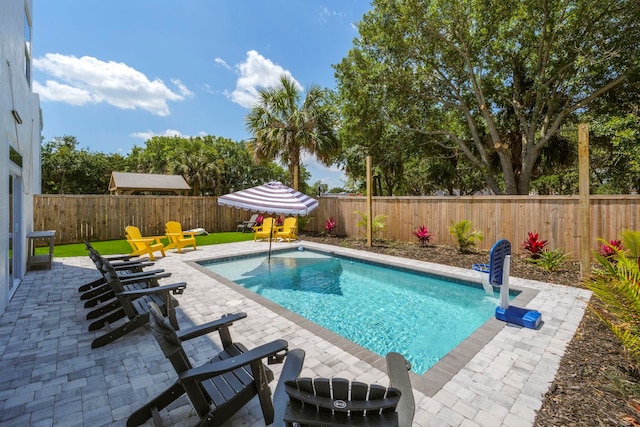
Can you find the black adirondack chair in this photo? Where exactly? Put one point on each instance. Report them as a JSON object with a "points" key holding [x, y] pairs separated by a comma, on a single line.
{"points": [[134, 307], [222, 386], [124, 264], [104, 297], [340, 402]]}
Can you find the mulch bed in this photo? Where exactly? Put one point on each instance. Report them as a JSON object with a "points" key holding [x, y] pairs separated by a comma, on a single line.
{"points": [[592, 386]]}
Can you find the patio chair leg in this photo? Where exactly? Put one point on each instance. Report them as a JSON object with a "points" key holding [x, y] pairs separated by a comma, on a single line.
{"points": [[109, 295], [157, 404], [120, 331], [112, 317], [264, 392], [91, 285], [100, 311], [100, 285]]}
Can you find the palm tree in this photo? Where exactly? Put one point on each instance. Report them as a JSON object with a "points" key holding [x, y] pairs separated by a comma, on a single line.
{"points": [[282, 128], [197, 162]]}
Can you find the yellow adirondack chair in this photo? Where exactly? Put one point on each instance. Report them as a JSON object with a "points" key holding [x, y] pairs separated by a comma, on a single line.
{"points": [[143, 245], [288, 229], [179, 239], [263, 231]]}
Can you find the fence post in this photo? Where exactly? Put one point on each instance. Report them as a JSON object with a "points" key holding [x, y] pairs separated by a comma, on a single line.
{"points": [[369, 204], [583, 174]]}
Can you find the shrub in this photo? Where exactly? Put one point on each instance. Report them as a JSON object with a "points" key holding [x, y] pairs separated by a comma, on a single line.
{"points": [[608, 250], [550, 260], [466, 238], [422, 234], [330, 225], [303, 221], [377, 225], [617, 285], [533, 245]]}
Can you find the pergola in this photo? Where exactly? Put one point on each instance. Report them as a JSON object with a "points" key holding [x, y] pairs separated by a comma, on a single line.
{"points": [[129, 183]]}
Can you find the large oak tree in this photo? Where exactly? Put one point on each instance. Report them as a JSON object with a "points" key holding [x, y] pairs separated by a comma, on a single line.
{"points": [[493, 80]]}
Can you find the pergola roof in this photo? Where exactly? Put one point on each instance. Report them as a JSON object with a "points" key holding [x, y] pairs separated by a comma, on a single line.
{"points": [[129, 183]]}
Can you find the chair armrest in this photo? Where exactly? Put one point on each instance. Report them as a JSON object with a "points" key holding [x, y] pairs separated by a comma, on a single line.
{"points": [[130, 264], [290, 371], [143, 278], [143, 240], [175, 288], [125, 258], [196, 331], [210, 370], [143, 274], [398, 371]]}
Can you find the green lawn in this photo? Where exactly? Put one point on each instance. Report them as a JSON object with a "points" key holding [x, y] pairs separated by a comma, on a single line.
{"points": [[111, 247]]}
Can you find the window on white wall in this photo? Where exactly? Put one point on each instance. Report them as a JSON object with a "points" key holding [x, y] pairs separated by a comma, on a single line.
{"points": [[27, 45]]}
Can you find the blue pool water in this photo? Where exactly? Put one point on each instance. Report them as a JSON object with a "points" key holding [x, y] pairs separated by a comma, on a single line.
{"points": [[383, 309]]}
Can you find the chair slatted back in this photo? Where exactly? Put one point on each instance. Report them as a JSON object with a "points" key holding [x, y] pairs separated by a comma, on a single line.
{"points": [[133, 234], [111, 276], [290, 224], [342, 402], [252, 220]]}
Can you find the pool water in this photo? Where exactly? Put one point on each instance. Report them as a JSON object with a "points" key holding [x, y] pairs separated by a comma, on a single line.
{"points": [[383, 309]]}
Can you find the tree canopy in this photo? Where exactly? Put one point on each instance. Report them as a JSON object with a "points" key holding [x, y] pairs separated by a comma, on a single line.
{"points": [[69, 170], [493, 81], [210, 165]]}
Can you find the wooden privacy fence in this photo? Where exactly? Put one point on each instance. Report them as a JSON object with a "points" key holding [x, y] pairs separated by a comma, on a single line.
{"points": [[555, 218]]}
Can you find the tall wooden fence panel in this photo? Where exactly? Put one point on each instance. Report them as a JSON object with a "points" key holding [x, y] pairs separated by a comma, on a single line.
{"points": [[104, 217], [555, 218]]}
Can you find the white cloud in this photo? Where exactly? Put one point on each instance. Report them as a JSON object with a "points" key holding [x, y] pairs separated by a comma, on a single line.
{"points": [[54, 91], [181, 88], [257, 71], [89, 79], [150, 134], [222, 62]]}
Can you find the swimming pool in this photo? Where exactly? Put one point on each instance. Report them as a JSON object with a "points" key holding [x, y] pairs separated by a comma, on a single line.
{"points": [[380, 308]]}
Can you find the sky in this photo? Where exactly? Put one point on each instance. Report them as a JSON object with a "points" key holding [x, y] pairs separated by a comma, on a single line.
{"points": [[115, 73]]}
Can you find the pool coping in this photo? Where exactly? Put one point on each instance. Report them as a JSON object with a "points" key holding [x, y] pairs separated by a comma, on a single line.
{"points": [[437, 376]]}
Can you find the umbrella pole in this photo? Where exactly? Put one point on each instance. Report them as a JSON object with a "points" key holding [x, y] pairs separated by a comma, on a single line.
{"points": [[270, 238]]}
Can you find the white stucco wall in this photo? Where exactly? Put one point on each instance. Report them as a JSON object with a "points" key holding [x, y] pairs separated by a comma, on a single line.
{"points": [[16, 94]]}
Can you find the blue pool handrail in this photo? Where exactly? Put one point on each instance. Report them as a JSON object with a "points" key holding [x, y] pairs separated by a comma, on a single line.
{"points": [[495, 268]]}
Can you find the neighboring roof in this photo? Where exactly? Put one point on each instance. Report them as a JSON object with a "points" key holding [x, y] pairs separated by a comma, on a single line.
{"points": [[129, 183]]}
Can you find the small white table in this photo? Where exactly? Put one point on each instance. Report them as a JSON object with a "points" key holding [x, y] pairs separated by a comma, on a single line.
{"points": [[44, 260]]}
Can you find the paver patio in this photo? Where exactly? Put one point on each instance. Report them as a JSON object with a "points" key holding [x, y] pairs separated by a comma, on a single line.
{"points": [[52, 377]]}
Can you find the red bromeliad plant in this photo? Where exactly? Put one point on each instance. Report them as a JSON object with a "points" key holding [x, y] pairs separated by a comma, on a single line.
{"points": [[533, 245], [330, 225], [608, 250], [422, 234]]}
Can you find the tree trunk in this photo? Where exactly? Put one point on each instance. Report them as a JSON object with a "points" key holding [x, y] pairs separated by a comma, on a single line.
{"points": [[296, 173]]}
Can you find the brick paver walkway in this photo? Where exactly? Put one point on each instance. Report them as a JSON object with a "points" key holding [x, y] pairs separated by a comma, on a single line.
{"points": [[52, 377]]}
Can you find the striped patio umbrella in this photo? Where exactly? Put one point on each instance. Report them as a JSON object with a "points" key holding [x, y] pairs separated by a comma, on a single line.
{"points": [[272, 198]]}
